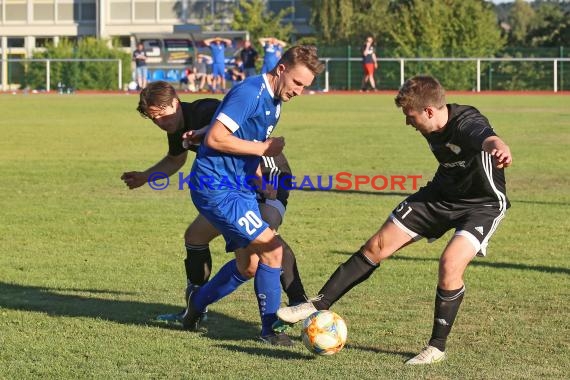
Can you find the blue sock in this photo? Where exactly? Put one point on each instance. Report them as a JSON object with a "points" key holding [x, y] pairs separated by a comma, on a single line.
{"points": [[268, 293], [223, 283]]}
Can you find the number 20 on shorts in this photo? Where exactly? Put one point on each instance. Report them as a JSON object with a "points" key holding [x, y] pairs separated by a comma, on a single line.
{"points": [[250, 221]]}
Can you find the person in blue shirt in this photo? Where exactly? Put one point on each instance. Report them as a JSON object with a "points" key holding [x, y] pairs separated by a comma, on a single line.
{"points": [[160, 103], [218, 47], [273, 49], [223, 183]]}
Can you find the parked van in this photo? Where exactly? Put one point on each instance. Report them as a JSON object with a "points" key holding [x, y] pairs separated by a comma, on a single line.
{"points": [[169, 54]]}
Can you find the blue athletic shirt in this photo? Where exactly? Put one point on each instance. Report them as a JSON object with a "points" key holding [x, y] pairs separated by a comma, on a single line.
{"points": [[272, 55], [218, 50], [250, 111]]}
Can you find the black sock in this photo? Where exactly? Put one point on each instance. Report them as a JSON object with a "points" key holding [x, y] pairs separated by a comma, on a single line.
{"points": [[290, 279], [198, 263], [349, 274], [447, 304]]}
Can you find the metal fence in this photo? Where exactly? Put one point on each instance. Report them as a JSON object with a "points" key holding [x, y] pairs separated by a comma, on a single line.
{"points": [[467, 74], [13, 71]]}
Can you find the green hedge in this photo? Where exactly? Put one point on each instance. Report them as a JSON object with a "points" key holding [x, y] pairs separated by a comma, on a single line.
{"points": [[79, 75]]}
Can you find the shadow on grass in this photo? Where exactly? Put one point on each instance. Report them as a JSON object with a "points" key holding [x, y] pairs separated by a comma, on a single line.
{"points": [[546, 203], [405, 355], [273, 352], [478, 262], [406, 194], [52, 302], [287, 354]]}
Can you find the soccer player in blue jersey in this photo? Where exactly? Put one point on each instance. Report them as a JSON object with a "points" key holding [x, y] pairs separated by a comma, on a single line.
{"points": [[218, 47], [160, 103], [223, 180], [272, 49]]}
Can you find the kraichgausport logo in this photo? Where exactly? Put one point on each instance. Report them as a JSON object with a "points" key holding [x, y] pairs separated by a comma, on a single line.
{"points": [[342, 181]]}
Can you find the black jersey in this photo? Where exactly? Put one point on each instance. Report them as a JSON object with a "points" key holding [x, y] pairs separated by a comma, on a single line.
{"points": [[466, 173], [276, 170], [197, 114]]}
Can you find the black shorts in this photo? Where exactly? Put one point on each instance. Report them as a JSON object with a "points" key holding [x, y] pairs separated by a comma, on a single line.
{"points": [[280, 201], [424, 214]]}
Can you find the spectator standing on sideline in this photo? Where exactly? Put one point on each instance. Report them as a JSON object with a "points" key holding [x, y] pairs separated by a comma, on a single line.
{"points": [[369, 63], [273, 50], [139, 56], [248, 56], [218, 47]]}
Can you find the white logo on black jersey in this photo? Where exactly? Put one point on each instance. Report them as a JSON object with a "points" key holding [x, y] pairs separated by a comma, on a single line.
{"points": [[401, 206], [454, 148], [453, 164], [479, 229]]}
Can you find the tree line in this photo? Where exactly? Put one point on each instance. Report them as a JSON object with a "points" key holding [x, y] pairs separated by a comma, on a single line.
{"points": [[401, 28], [437, 28]]}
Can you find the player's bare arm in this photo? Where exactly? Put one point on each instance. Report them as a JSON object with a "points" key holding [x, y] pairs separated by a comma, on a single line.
{"points": [[220, 138], [169, 165], [499, 150]]}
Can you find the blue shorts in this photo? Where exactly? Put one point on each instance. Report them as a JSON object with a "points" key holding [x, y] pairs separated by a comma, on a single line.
{"points": [[218, 69], [234, 213]]}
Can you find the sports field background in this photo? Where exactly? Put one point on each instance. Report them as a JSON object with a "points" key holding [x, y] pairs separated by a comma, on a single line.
{"points": [[85, 264]]}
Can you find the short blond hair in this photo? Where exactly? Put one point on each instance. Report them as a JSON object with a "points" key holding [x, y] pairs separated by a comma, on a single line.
{"points": [[303, 55]]}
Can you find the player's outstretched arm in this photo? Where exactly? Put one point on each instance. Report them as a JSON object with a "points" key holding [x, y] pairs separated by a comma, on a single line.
{"points": [[220, 138], [134, 179], [499, 150], [168, 165]]}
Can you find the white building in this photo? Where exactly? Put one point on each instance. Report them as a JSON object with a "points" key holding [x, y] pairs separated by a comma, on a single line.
{"points": [[26, 25]]}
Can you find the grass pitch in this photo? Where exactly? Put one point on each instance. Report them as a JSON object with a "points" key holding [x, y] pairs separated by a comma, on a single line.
{"points": [[85, 264]]}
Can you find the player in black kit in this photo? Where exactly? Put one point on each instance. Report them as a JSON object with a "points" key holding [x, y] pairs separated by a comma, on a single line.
{"points": [[160, 103], [467, 193]]}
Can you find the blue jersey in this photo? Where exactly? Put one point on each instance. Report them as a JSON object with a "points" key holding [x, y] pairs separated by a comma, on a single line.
{"points": [[251, 112], [272, 55], [218, 50]]}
